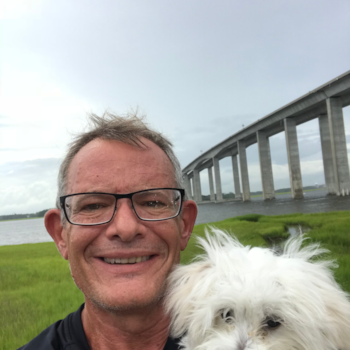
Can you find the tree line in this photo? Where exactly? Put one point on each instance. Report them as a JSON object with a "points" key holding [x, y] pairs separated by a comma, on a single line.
{"points": [[39, 214]]}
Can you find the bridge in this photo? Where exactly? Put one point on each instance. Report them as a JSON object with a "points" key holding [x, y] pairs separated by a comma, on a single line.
{"points": [[325, 103]]}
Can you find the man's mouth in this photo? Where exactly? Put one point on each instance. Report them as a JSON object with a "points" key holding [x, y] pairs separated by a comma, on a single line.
{"points": [[133, 260]]}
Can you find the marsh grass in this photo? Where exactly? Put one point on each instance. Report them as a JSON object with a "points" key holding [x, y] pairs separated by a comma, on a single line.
{"points": [[331, 229], [36, 288]]}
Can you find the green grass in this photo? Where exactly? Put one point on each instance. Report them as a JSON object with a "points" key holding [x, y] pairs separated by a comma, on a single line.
{"points": [[36, 288], [331, 229]]}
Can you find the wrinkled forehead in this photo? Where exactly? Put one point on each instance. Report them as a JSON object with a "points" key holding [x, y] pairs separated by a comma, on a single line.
{"points": [[106, 162]]}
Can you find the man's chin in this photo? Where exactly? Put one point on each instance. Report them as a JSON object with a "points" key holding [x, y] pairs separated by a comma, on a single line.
{"points": [[117, 305]]}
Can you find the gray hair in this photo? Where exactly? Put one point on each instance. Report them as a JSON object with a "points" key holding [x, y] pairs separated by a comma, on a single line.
{"points": [[128, 129]]}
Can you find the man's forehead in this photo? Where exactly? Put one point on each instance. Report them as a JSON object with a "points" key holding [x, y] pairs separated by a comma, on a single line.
{"points": [[112, 148], [99, 156]]}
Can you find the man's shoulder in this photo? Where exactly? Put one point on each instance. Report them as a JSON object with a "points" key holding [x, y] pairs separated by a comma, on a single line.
{"points": [[47, 339], [66, 334], [172, 344]]}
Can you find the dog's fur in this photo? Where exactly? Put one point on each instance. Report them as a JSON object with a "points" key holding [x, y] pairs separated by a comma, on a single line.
{"points": [[242, 298]]}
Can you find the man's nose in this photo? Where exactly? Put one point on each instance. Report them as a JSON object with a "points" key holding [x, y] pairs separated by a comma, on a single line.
{"points": [[125, 224]]}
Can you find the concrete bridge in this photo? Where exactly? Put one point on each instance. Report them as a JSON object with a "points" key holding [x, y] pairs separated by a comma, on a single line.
{"points": [[325, 103]]}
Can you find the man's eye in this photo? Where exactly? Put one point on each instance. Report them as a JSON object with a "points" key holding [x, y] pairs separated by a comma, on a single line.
{"points": [[155, 204], [91, 207]]}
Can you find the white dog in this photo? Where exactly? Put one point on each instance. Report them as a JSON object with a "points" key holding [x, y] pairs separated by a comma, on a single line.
{"points": [[242, 298]]}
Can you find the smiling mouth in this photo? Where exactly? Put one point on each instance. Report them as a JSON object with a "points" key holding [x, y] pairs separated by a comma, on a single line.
{"points": [[133, 260]]}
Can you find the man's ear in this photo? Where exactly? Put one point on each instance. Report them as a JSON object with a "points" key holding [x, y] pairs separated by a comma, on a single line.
{"points": [[189, 215], [57, 231]]}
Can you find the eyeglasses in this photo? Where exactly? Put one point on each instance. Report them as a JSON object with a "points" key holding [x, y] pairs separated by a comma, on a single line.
{"points": [[97, 208]]}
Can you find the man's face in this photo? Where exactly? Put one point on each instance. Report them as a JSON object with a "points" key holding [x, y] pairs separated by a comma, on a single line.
{"points": [[115, 167]]}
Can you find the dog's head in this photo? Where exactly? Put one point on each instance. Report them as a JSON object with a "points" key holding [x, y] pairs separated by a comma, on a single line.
{"points": [[241, 298]]}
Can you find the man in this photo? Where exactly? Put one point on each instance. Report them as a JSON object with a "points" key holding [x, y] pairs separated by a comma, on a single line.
{"points": [[121, 221]]}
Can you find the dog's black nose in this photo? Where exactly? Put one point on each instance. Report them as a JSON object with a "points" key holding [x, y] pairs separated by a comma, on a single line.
{"points": [[241, 344]]}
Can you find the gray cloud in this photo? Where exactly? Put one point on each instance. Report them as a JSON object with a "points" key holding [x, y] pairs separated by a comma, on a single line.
{"points": [[199, 70], [28, 186], [2, 125], [11, 149]]}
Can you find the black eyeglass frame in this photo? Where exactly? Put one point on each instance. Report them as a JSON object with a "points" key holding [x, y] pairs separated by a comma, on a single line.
{"points": [[120, 196]]}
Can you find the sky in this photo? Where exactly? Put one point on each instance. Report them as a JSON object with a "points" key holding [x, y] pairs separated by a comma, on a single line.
{"points": [[198, 69]]}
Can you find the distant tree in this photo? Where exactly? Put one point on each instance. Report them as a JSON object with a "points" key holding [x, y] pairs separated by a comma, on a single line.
{"points": [[41, 214], [38, 214]]}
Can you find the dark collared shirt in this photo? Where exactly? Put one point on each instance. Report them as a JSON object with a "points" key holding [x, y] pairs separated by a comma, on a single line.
{"points": [[68, 334]]}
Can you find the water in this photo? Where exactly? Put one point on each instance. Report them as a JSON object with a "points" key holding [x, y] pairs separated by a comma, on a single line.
{"points": [[23, 231], [313, 202], [296, 230], [33, 230]]}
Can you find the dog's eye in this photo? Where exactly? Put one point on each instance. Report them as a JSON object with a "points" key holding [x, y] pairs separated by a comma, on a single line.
{"points": [[227, 315], [272, 324]]}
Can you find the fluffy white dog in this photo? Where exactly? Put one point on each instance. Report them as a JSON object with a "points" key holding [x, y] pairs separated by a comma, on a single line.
{"points": [[242, 298]]}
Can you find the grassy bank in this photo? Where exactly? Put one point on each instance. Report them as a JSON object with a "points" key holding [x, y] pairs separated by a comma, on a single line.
{"points": [[331, 229], [36, 288]]}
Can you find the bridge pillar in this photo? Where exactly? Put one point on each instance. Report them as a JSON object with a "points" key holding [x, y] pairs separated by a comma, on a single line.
{"points": [[236, 181], [219, 197], [327, 154], [296, 183], [244, 170], [211, 184], [188, 187], [265, 165], [338, 144], [197, 186]]}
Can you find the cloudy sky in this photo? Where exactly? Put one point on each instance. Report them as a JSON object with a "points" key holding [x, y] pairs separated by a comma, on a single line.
{"points": [[198, 69]]}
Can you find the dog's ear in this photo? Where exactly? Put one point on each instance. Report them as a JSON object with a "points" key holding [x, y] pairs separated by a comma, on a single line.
{"points": [[338, 311], [317, 305], [188, 297]]}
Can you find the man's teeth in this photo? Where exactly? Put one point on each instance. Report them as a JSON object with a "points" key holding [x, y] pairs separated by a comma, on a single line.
{"points": [[126, 260]]}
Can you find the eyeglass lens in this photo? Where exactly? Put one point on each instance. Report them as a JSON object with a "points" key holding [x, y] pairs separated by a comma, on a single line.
{"points": [[89, 209]]}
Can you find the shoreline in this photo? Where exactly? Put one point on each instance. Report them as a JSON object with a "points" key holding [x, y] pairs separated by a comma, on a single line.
{"points": [[37, 217]]}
